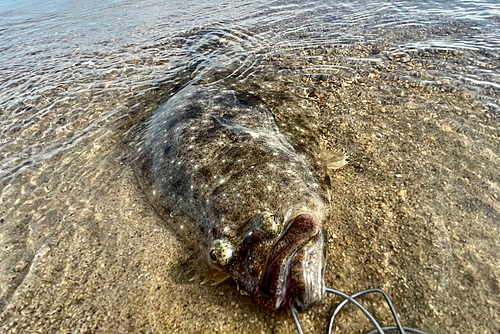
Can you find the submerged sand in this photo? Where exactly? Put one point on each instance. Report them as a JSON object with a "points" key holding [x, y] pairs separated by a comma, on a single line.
{"points": [[416, 213]]}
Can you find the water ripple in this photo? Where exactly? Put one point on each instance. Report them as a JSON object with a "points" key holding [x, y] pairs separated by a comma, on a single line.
{"points": [[79, 78]]}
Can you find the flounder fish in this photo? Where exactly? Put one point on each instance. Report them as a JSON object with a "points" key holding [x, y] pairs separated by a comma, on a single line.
{"points": [[214, 164]]}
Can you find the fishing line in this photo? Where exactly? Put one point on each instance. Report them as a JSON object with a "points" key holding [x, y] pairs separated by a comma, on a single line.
{"points": [[378, 329]]}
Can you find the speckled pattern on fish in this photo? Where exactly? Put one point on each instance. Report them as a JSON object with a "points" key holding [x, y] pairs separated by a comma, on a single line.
{"points": [[214, 164]]}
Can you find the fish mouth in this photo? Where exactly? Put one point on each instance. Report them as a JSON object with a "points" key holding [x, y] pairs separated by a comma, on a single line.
{"points": [[294, 272]]}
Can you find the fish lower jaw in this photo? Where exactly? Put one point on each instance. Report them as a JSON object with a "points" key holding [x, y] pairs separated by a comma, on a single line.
{"points": [[274, 292], [283, 294], [298, 283], [285, 271], [307, 287]]}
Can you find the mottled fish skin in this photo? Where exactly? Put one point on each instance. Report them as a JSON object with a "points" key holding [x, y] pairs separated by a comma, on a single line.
{"points": [[213, 163]]}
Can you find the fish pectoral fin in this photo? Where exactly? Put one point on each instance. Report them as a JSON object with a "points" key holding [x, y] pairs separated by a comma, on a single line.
{"points": [[208, 275], [194, 278], [218, 279], [334, 159]]}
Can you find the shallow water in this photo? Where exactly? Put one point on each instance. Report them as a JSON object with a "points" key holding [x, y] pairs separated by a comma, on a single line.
{"points": [[409, 89]]}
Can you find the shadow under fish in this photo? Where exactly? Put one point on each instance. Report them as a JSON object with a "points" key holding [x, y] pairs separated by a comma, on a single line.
{"points": [[217, 168]]}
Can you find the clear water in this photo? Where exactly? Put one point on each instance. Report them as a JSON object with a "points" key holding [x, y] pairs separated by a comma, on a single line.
{"points": [[410, 89]]}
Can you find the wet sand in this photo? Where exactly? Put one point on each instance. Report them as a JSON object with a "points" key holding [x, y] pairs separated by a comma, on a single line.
{"points": [[416, 212]]}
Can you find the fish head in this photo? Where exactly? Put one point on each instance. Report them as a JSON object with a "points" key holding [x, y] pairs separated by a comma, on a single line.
{"points": [[277, 264]]}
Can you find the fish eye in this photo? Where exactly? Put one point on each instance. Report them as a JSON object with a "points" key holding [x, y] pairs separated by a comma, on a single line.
{"points": [[213, 256], [221, 252], [270, 224]]}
